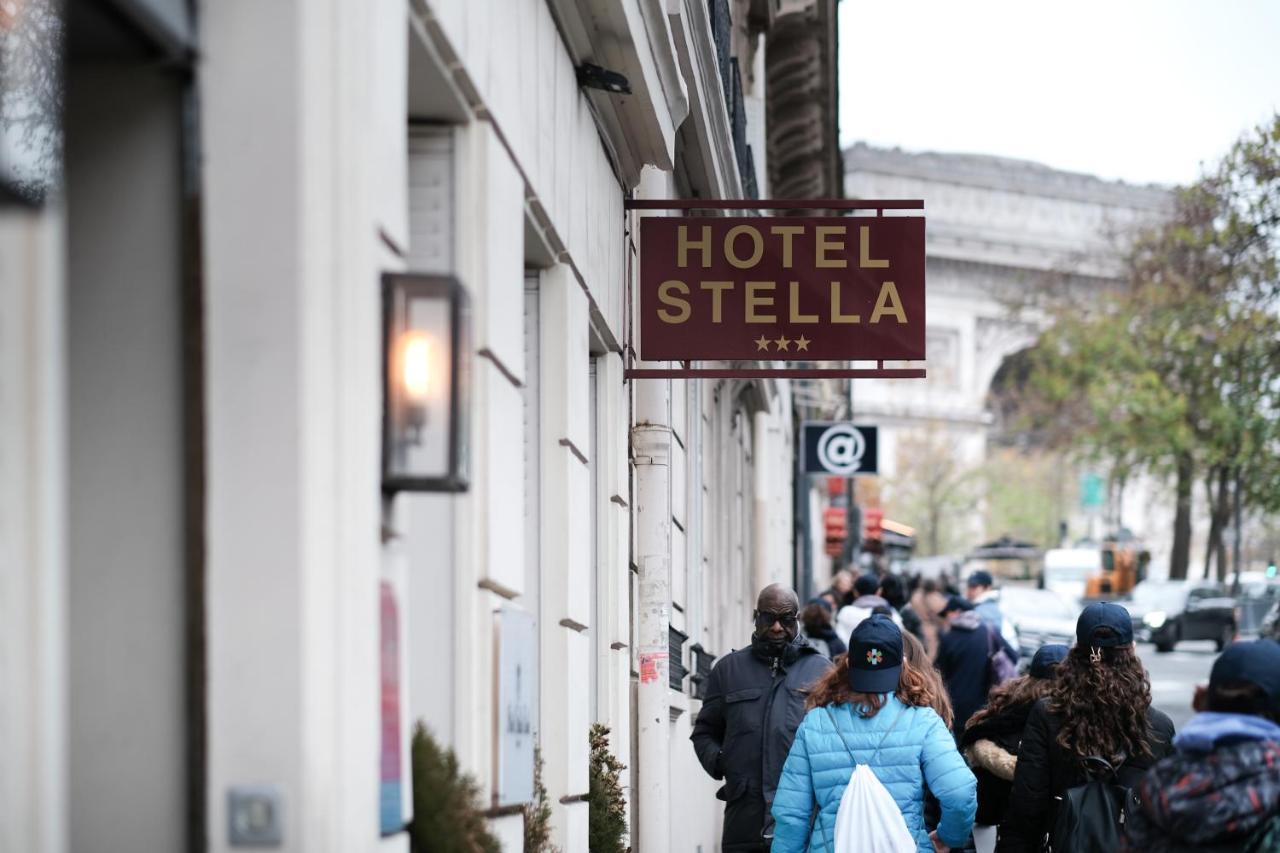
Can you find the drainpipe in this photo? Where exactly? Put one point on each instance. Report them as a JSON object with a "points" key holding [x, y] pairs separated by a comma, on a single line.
{"points": [[761, 475], [651, 449]]}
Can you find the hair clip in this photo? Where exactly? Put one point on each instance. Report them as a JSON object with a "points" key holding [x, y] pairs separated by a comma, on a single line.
{"points": [[1095, 654]]}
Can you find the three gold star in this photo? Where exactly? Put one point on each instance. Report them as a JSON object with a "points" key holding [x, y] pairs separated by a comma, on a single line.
{"points": [[783, 343]]}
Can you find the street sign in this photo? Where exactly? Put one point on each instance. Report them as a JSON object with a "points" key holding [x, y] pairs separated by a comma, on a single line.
{"points": [[1092, 490], [782, 288], [839, 448]]}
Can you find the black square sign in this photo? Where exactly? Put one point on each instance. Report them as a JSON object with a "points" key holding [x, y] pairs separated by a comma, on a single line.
{"points": [[841, 449]]}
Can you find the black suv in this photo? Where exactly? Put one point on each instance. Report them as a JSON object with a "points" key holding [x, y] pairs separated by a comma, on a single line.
{"points": [[1166, 612]]}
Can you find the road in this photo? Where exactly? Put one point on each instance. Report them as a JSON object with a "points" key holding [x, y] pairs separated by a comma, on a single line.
{"points": [[1174, 676]]}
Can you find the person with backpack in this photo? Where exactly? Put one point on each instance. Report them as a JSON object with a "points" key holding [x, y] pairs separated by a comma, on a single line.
{"points": [[1086, 744], [1220, 790], [993, 734], [973, 658], [863, 754]]}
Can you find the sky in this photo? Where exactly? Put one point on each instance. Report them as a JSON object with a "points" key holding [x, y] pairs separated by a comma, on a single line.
{"points": [[1135, 90]]}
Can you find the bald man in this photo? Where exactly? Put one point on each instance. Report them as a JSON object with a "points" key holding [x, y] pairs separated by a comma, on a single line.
{"points": [[754, 704]]}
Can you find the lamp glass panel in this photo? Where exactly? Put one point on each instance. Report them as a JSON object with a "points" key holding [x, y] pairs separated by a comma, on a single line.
{"points": [[421, 373]]}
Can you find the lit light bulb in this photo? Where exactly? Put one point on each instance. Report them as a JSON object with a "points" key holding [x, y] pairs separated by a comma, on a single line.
{"points": [[417, 367]]}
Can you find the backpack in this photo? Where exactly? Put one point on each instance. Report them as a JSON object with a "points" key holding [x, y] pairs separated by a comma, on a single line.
{"points": [[1091, 816], [999, 668], [868, 819]]}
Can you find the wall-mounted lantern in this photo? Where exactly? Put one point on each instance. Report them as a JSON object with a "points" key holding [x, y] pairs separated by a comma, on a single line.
{"points": [[425, 383]]}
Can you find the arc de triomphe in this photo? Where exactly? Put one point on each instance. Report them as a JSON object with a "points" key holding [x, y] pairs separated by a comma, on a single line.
{"points": [[995, 228]]}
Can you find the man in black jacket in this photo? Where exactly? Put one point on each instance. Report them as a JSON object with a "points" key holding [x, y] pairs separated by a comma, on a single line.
{"points": [[964, 658], [755, 702]]}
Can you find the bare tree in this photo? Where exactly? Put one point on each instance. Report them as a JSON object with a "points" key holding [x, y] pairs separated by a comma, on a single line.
{"points": [[31, 96]]}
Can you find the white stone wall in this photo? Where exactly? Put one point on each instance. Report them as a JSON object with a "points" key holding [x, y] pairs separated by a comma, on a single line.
{"points": [[293, 348], [309, 194], [33, 573]]}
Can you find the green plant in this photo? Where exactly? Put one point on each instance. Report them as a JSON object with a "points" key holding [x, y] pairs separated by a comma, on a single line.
{"points": [[537, 814], [607, 808], [447, 815]]}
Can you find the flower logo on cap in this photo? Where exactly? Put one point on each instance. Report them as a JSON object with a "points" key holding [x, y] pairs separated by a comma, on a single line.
{"points": [[874, 656]]}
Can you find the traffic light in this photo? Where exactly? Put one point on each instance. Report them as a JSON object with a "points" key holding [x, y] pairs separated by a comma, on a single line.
{"points": [[835, 521], [1271, 570]]}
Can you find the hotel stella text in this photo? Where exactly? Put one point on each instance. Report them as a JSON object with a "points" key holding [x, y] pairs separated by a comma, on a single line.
{"points": [[779, 288]]}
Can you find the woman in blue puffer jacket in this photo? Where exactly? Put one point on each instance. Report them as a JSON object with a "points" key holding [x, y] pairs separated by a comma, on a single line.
{"points": [[883, 708]]}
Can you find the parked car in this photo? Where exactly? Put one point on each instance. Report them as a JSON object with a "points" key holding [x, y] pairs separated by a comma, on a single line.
{"points": [[1040, 615], [1257, 595], [1167, 612]]}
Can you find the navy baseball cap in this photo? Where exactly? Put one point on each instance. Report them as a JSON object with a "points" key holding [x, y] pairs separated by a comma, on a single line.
{"points": [[981, 578], [1253, 662], [866, 584], [875, 655], [1046, 660], [955, 602], [1104, 614]]}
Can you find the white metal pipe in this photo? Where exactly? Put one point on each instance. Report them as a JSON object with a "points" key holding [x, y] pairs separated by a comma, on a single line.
{"points": [[651, 448]]}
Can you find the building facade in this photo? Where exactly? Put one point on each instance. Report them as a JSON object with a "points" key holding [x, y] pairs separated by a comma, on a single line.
{"points": [[222, 625]]}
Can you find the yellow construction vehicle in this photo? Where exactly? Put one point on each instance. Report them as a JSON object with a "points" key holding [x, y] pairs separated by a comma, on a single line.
{"points": [[1124, 566]]}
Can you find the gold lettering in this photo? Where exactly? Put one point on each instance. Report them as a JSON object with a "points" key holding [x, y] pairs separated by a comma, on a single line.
{"points": [[836, 316], [865, 261], [762, 301], [666, 298], [824, 245], [757, 248], [796, 316], [717, 289], [787, 233], [889, 297], [684, 244]]}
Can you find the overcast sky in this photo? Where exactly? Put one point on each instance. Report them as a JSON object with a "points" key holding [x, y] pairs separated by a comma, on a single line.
{"points": [[1139, 90]]}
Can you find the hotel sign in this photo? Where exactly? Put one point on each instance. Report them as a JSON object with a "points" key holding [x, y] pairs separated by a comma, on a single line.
{"points": [[770, 288]]}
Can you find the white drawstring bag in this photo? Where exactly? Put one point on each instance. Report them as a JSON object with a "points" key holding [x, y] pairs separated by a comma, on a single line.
{"points": [[868, 819]]}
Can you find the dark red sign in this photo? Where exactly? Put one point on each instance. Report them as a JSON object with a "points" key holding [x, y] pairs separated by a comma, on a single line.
{"points": [[767, 288]]}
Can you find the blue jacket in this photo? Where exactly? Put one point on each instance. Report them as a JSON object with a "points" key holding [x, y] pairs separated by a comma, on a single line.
{"points": [[914, 747]]}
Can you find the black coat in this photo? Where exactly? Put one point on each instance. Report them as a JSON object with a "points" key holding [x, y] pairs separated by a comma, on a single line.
{"points": [[744, 731], [1005, 731], [964, 661], [1046, 770]]}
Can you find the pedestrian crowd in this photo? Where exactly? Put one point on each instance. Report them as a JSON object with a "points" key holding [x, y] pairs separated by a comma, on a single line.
{"points": [[887, 716]]}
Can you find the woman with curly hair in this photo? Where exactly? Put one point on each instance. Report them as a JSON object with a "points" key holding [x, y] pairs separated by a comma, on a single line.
{"points": [[1099, 707], [993, 735], [873, 708]]}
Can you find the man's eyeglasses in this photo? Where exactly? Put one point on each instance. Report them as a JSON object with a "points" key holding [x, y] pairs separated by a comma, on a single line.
{"points": [[765, 620]]}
